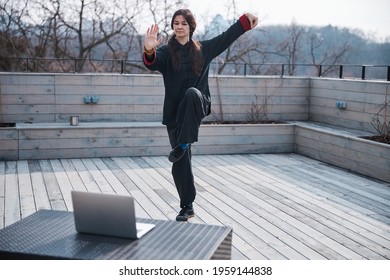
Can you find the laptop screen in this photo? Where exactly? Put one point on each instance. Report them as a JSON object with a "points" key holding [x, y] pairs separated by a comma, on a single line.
{"points": [[106, 214]]}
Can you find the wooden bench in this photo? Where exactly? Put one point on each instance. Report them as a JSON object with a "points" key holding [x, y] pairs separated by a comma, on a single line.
{"points": [[103, 139]]}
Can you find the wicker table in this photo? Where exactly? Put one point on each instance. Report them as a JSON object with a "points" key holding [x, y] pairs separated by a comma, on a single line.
{"points": [[50, 234]]}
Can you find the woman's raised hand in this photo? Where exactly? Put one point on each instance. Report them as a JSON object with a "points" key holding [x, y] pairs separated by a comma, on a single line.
{"points": [[253, 20], [151, 40]]}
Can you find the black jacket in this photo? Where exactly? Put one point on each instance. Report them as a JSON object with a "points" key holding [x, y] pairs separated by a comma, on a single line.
{"points": [[176, 83]]}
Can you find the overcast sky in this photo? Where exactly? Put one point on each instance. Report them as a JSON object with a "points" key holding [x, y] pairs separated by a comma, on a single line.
{"points": [[370, 16]]}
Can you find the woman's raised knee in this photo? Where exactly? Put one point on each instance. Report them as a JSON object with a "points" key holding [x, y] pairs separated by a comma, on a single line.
{"points": [[193, 93]]}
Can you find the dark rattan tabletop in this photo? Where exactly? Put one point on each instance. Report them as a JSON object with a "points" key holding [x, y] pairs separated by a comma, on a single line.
{"points": [[50, 234]]}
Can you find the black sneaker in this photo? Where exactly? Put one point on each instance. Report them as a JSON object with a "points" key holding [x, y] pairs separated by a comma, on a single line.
{"points": [[176, 154], [185, 213]]}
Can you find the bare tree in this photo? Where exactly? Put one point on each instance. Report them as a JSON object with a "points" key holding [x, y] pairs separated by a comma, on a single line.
{"points": [[240, 52], [78, 27], [72, 29], [162, 12], [78, 31], [325, 60], [292, 46], [83, 31], [381, 120], [14, 34]]}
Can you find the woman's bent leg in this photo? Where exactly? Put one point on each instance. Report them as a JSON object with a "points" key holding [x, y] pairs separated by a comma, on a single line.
{"points": [[192, 109]]}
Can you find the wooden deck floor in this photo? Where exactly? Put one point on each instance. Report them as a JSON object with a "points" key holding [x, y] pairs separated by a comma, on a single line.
{"points": [[282, 206]]}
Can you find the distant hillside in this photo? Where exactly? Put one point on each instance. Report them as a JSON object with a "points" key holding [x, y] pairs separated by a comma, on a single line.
{"points": [[362, 50]]}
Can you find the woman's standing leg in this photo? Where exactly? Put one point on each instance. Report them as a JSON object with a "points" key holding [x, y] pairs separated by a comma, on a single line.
{"points": [[183, 178]]}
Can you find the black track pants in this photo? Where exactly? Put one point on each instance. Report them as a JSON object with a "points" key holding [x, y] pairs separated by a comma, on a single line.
{"points": [[192, 109]]}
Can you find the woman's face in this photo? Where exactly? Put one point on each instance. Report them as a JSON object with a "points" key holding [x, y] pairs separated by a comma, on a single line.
{"points": [[181, 28]]}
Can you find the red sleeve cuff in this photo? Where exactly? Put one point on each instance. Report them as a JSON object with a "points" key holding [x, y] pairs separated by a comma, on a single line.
{"points": [[148, 62], [245, 22]]}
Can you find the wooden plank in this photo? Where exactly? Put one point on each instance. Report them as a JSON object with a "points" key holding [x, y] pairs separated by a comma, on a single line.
{"points": [[141, 197], [99, 110], [108, 97], [8, 142], [114, 182], [97, 176], [41, 197], [52, 187], [203, 148], [28, 109], [153, 188], [12, 200], [64, 183], [163, 186], [26, 80], [7, 145], [73, 175], [143, 171], [2, 193], [27, 205], [8, 133], [28, 99], [85, 176], [246, 129], [358, 95], [127, 183], [348, 85], [103, 130], [120, 174], [93, 143]]}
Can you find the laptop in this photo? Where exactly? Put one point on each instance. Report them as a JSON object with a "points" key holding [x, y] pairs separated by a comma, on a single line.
{"points": [[107, 214]]}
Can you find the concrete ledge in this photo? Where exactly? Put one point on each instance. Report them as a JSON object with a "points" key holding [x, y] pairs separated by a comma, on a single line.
{"points": [[245, 138], [334, 145], [343, 148], [100, 139], [95, 139]]}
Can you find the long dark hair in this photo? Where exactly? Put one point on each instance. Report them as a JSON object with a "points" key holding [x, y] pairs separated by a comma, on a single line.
{"points": [[195, 46]]}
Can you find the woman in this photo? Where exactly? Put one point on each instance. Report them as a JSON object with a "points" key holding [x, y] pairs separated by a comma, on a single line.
{"points": [[184, 64]]}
